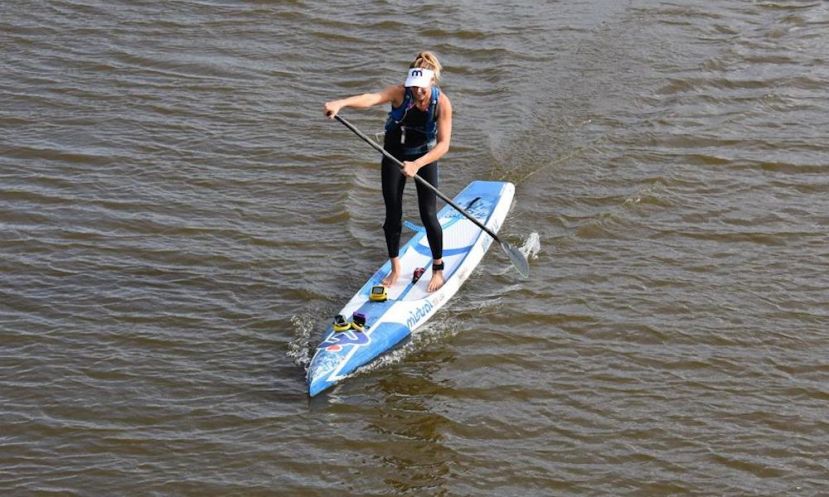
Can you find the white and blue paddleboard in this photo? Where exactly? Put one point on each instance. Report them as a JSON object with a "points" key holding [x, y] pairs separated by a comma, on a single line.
{"points": [[409, 305]]}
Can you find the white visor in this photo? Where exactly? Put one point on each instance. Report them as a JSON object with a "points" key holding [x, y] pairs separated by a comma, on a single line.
{"points": [[419, 77]]}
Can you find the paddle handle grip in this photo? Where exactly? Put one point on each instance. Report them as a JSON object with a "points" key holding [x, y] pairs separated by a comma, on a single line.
{"points": [[417, 177]]}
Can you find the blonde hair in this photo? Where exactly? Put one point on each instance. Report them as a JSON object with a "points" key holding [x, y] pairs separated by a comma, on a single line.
{"points": [[427, 60]]}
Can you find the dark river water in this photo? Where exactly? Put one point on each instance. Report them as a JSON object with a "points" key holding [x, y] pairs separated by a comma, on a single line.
{"points": [[178, 223]]}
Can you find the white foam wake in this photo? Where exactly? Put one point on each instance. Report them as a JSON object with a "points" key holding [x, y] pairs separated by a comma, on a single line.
{"points": [[531, 246], [299, 349]]}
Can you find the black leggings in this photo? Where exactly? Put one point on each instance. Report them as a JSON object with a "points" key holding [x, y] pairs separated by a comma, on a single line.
{"points": [[394, 181]]}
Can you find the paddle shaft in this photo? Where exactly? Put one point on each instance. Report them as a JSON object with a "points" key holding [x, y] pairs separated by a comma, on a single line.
{"points": [[418, 178]]}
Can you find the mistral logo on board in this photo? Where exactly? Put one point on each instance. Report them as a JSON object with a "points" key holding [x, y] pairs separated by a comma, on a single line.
{"points": [[416, 315]]}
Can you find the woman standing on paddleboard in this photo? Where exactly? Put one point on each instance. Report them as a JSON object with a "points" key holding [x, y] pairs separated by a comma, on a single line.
{"points": [[418, 132]]}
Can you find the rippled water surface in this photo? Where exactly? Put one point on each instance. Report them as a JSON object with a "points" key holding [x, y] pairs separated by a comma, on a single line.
{"points": [[178, 222]]}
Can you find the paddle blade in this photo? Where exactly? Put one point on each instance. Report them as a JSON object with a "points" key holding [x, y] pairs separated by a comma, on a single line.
{"points": [[517, 258]]}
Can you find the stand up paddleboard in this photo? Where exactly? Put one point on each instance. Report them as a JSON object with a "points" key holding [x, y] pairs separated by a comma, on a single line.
{"points": [[376, 319]]}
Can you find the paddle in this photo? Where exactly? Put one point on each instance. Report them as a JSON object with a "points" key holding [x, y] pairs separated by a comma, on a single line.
{"points": [[517, 258]]}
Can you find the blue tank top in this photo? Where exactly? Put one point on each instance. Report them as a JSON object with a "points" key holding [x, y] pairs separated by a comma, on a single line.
{"points": [[411, 130]]}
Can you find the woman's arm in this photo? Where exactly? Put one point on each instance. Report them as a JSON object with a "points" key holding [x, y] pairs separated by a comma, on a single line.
{"points": [[392, 94]]}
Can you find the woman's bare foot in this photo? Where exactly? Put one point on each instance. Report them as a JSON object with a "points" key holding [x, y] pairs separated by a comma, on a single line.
{"points": [[437, 277], [391, 279]]}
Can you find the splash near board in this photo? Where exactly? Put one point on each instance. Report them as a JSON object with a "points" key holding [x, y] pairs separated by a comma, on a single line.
{"points": [[376, 319]]}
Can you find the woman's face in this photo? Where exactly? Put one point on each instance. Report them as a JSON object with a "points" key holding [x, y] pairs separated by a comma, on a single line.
{"points": [[421, 91]]}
